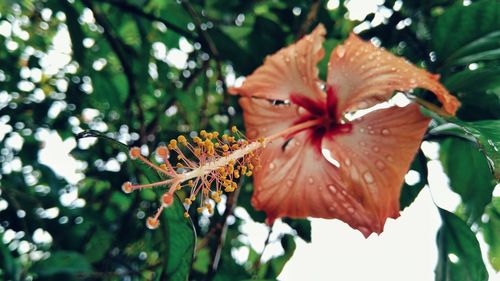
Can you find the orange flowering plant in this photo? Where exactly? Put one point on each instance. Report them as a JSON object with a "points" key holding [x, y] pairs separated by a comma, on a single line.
{"points": [[311, 160]]}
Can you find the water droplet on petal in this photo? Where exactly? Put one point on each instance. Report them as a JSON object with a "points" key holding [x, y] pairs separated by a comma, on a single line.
{"points": [[362, 143], [361, 130], [389, 158], [310, 180], [350, 210], [331, 209], [289, 182], [372, 132], [332, 188], [380, 165], [297, 143], [376, 148], [370, 127], [348, 162], [340, 51], [368, 177], [272, 166], [386, 132]]}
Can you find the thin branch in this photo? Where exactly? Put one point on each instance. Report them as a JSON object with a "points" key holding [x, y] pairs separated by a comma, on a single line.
{"points": [[119, 49], [124, 6], [310, 18], [204, 34], [220, 232]]}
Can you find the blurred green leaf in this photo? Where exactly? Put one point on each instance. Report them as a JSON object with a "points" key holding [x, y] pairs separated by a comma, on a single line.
{"points": [[11, 269], [459, 253], [273, 267], [302, 226], [98, 246], [467, 170], [491, 229], [62, 262]]}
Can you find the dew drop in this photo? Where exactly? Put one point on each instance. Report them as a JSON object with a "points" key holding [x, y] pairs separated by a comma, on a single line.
{"points": [[331, 209], [310, 180], [362, 143], [370, 128], [368, 177], [389, 158], [372, 132], [332, 188], [297, 143], [289, 182], [350, 210], [386, 132], [340, 51], [272, 166], [361, 130], [348, 162], [380, 165], [376, 148]]}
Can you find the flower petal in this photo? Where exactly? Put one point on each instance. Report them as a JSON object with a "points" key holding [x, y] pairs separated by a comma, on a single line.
{"points": [[298, 182], [375, 157], [290, 70], [363, 75], [263, 118]]}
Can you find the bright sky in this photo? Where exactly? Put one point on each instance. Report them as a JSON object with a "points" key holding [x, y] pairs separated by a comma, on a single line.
{"points": [[406, 250]]}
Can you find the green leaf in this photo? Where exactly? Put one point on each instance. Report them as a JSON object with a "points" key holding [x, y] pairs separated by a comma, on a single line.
{"points": [[98, 246], [486, 134], [459, 253], [11, 269], [62, 262], [274, 267], [468, 172], [410, 192], [491, 231], [465, 34], [301, 226], [180, 240], [478, 91]]}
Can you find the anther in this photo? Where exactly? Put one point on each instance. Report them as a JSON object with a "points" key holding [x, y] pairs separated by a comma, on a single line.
{"points": [[134, 153], [162, 151], [152, 223], [127, 187], [167, 199]]}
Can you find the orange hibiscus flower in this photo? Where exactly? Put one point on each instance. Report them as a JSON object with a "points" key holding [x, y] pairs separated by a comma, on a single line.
{"points": [[331, 167]]}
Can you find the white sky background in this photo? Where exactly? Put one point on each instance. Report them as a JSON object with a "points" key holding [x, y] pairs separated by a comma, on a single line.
{"points": [[406, 250]]}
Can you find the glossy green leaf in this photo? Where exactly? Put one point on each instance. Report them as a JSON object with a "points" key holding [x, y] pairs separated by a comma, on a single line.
{"points": [[459, 253], [486, 135], [180, 240], [410, 192], [465, 34], [467, 170]]}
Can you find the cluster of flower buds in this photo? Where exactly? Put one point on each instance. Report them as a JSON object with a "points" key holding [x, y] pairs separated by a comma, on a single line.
{"points": [[209, 165]]}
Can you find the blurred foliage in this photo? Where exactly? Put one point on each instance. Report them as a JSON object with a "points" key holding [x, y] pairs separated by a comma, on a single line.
{"points": [[141, 72]]}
